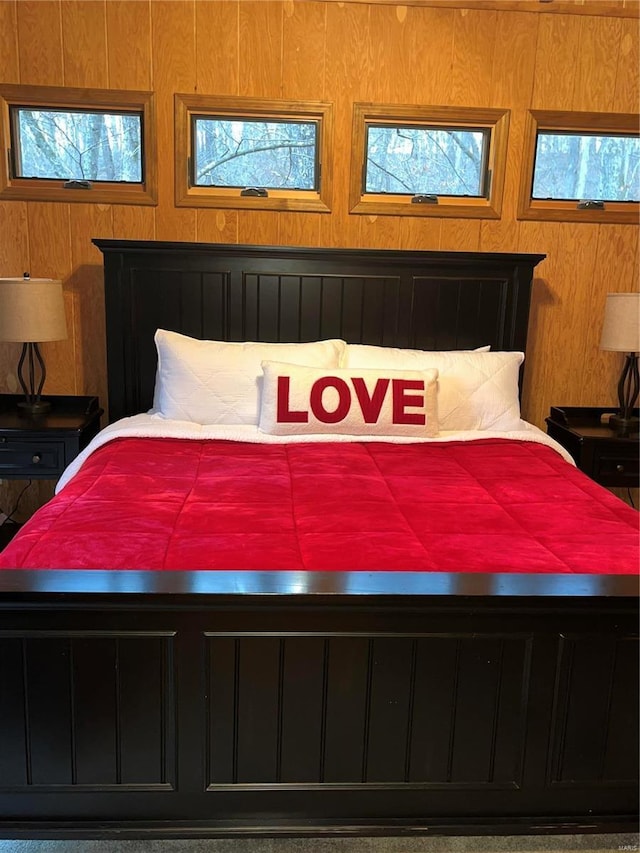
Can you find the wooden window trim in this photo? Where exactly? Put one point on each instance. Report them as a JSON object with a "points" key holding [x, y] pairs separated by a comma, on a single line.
{"points": [[494, 120], [622, 213], [261, 109], [37, 189]]}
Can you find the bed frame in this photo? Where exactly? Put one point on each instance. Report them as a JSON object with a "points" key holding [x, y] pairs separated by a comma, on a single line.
{"points": [[224, 703]]}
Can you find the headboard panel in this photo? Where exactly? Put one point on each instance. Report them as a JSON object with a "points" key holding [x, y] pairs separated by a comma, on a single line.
{"points": [[422, 300]]}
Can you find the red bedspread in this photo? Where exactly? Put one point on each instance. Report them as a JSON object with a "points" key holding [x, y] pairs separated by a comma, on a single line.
{"points": [[482, 506]]}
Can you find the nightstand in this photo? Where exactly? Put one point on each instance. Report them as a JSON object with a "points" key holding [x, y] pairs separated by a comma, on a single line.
{"points": [[606, 457], [40, 447]]}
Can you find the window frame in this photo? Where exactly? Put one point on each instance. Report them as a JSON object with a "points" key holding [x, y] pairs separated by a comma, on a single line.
{"points": [[253, 109], [495, 121], [566, 210], [63, 98]]}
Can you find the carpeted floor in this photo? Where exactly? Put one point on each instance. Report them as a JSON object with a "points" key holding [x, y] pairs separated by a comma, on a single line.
{"points": [[449, 844]]}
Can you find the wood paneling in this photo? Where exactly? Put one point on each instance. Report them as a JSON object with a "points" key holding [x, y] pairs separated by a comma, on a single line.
{"points": [[389, 37], [460, 235], [14, 248], [555, 70], [9, 38], [217, 60], [260, 48], [14, 242], [50, 256], [173, 70], [429, 69], [344, 70], [299, 229], [614, 270], [627, 94], [84, 44], [566, 56], [129, 44], [595, 81], [303, 51], [615, 8], [473, 46], [545, 304], [511, 86], [379, 232], [512, 81], [260, 227], [40, 42], [129, 220], [87, 293], [216, 226], [420, 233]]}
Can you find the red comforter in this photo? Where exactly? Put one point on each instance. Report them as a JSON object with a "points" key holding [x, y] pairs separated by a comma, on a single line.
{"points": [[482, 506]]}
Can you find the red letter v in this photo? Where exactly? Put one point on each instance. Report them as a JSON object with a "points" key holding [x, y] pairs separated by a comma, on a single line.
{"points": [[370, 406]]}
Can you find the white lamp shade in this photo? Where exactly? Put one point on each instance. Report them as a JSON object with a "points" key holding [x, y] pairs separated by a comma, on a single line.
{"points": [[621, 328], [32, 310]]}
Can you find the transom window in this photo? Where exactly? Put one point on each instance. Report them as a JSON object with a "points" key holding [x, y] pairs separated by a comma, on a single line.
{"points": [[249, 153], [81, 145], [581, 167], [78, 145], [586, 166], [428, 161]]}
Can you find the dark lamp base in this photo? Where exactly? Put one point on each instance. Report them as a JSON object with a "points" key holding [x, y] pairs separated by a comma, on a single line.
{"points": [[37, 408], [624, 426]]}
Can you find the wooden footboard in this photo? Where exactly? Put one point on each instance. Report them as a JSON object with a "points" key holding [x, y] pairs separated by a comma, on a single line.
{"points": [[221, 703]]}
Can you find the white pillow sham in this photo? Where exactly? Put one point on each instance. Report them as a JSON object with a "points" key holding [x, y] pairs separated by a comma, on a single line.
{"points": [[476, 390], [217, 382], [309, 400], [366, 355]]}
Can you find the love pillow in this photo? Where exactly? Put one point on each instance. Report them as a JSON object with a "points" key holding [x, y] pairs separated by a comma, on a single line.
{"points": [[309, 400]]}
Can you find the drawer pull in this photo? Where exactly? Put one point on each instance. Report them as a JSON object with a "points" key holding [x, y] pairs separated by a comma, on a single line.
{"points": [[620, 469], [36, 458]]}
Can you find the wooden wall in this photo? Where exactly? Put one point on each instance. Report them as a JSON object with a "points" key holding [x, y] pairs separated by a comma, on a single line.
{"points": [[340, 52]]}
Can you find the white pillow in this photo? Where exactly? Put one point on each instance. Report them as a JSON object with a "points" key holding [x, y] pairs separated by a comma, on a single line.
{"points": [[309, 400], [217, 382], [476, 390], [365, 355]]}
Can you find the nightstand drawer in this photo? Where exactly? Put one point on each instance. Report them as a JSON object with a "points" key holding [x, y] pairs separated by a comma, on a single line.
{"points": [[617, 470], [605, 455], [32, 459]]}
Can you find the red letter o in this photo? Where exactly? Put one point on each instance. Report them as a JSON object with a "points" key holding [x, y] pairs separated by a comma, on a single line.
{"points": [[344, 402]]}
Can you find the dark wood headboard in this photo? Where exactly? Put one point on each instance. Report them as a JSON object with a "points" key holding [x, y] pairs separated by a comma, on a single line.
{"points": [[422, 300]]}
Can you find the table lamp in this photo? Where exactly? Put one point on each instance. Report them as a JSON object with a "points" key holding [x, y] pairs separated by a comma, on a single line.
{"points": [[621, 333], [32, 311]]}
